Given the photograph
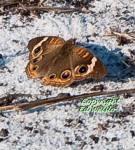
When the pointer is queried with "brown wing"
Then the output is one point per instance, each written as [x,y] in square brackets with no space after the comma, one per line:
[45,44]
[54,67]
[86,65]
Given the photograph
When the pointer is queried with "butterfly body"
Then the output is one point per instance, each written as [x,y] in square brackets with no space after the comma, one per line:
[58,63]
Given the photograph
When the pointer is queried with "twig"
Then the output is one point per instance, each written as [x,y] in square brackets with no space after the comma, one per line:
[51,101]
[23,6]
[46,9]
[124,34]
[8,2]
[123,37]
[6,100]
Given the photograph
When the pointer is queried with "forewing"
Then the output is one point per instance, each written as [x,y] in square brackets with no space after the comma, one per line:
[43,45]
[86,65]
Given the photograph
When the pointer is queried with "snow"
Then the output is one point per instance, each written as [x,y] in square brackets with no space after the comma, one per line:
[51,121]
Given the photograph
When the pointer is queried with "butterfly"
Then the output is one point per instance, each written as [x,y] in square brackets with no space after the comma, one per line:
[57,62]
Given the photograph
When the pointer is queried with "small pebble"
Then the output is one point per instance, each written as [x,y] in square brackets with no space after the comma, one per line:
[132,133]
[115,139]
[4,132]
[94,138]
[28,128]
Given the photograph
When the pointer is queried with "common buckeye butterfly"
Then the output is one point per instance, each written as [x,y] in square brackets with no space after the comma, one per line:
[58,62]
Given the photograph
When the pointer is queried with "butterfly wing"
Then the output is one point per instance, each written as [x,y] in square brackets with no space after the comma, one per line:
[85,64]
[60,73]
[53,68]
[45,44]
[38,48]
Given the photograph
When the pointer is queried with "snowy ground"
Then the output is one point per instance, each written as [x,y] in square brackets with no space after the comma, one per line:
[62,126]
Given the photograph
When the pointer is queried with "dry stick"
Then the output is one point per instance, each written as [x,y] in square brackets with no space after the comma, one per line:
[47,9]
[123,34]
[50,101]
[7,100]
[62,10]
[8,2]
